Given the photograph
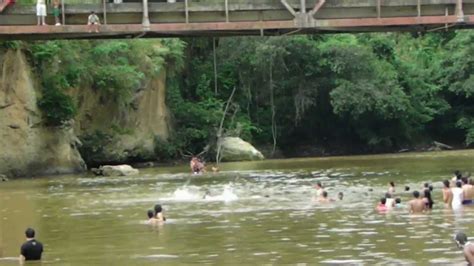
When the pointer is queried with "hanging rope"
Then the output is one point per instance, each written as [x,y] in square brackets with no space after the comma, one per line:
[215,65]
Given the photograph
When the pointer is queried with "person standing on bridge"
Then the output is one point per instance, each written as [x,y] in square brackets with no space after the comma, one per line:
[41,12]
[93,22]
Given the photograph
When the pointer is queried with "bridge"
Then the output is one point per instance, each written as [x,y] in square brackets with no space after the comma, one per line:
[147,18]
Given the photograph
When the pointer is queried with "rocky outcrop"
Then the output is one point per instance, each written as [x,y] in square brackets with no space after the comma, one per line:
[236,149]
[116,170]
[29,148]
[131,129]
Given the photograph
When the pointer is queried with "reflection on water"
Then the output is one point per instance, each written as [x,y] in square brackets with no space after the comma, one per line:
[241,215]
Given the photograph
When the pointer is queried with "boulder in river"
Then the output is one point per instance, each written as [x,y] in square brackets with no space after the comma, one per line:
[236,149]
[116,170]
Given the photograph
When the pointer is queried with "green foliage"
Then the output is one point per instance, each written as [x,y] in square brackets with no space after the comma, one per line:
[57,107]
[93,147]
[165,149]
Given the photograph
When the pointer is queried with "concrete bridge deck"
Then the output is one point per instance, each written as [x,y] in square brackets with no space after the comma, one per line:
[236,17]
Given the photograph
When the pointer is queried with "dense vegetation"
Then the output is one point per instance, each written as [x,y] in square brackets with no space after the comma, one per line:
[324,93]
[339,93]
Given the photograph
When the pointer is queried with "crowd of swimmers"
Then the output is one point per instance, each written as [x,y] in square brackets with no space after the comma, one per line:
[456,192]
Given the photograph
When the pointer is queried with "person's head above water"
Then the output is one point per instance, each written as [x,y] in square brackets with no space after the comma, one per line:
[150,214]
[457,174]
[460,239]
[325,194]
[407,188]
[426,185]
[459,184]
[158,208]
[30,233]
[446,183]
[392,184]
[319,185]
[416,194]
[431,188]
[340,195]
[398,201]
[388,195]
[383,201]
[465,180]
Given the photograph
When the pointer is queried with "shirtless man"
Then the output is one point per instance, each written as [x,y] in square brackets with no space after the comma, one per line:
[467,191]
[151,218]
[324,198]
[466,246]
[159,213]
[447,193]
[417,205]
[196,166]
[319,189]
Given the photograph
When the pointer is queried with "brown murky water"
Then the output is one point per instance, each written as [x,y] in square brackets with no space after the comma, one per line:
[256,213]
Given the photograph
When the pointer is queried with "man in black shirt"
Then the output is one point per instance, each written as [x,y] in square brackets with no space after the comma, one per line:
[31,249]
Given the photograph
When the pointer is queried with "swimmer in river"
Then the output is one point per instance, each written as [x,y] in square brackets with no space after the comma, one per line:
[389,201]
[456,177]
[391,188]
[340,196]
[151,218]
[32,249]
[407,188]
[416,205]
[468,191]
[458,195]
[428,200]
[381,207]
[447,193]
[196,165]
[324,198]
[398,203]
[159,213]
[467,247]
[319,189]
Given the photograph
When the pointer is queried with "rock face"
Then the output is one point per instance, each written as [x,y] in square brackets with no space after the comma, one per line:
[132,129]
[236,149]
[28,148]
[117,170]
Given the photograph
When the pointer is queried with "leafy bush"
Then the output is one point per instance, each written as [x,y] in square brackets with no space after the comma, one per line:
[56,106]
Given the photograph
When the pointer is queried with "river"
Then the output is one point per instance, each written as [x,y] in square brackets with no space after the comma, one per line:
[256,213]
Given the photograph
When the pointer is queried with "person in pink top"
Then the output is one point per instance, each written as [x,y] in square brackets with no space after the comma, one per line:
[381,206]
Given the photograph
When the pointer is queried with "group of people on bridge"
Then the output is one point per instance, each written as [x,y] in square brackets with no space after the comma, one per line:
[93,21]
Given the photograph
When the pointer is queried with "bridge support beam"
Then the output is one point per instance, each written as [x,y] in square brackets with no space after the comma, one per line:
[288,7]
[146,19]
[459,11]
[317,7]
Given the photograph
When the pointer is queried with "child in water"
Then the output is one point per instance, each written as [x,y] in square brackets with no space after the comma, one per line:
[151,218]
[381,206]
[159,213]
